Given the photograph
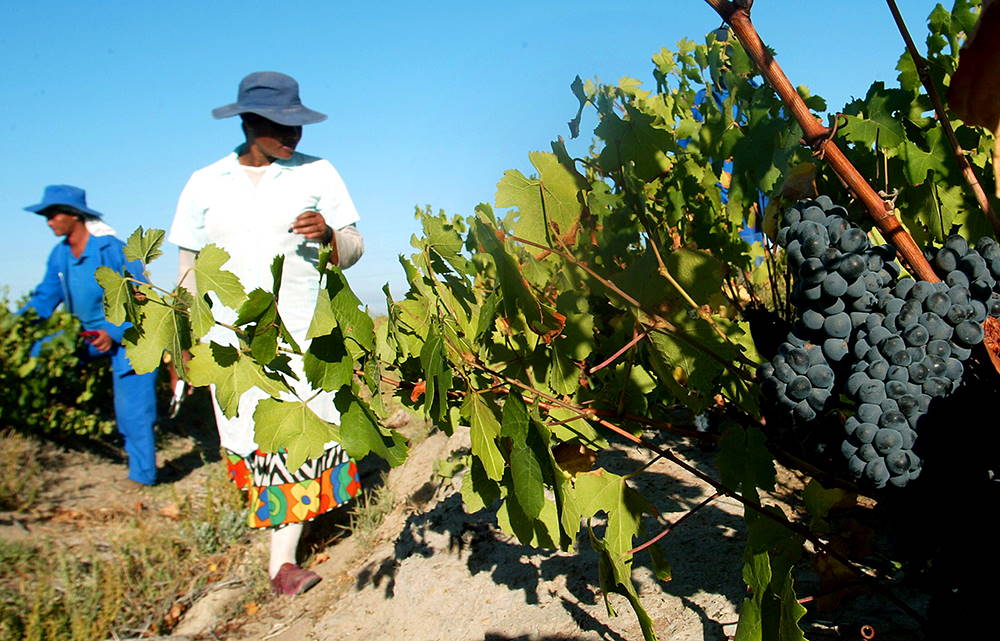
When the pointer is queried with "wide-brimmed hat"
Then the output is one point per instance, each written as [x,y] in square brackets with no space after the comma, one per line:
[64,196]
[274,96]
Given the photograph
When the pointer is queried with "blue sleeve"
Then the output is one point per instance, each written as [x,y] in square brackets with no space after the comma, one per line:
[49,293]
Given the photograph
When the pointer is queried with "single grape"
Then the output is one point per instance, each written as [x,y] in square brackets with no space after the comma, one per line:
[820,376]
[834,285]
[838,325]
[868,413]
[946,260]
[916,335]
[886,440]
[957,244]
[799,388]
[897,462]
[865,432]
[813,320]
[877,473]
[872,391]
[968,333]
[878,370]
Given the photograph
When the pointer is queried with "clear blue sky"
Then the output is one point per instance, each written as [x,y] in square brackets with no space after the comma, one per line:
[429,103]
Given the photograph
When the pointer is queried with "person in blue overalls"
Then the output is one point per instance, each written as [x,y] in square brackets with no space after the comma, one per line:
[87,244]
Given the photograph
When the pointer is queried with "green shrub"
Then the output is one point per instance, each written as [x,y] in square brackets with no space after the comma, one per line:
[54,392]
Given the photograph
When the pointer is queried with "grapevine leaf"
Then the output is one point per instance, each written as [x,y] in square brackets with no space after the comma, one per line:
[327,364]
[162,328]
[819,501]
[547,204]
[563,375]
[360,433]
[478,490]
[277,269]
[323,321]
[257,304]
[355,324]
[525,470]
[292,426]
[484,430]
[917,162]
[791,611]
[209,276]
[517,295]
[437,377]
[744,460]
[144,246]
[614,576]
[640,143]
[231,373]
[757,576]
[119,303]
[202,320]
[542,531]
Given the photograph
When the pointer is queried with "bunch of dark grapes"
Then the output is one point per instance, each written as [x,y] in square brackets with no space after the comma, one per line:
[890,345]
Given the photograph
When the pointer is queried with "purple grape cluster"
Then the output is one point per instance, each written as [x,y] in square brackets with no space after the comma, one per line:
[890,345]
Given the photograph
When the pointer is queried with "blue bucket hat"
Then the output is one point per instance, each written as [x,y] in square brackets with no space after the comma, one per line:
[272,95]
[64,196]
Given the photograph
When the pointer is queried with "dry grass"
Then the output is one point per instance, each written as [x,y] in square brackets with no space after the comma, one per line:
[17,452]
[133,574]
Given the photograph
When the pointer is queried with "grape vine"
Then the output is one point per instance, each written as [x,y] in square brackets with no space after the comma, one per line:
[606,291]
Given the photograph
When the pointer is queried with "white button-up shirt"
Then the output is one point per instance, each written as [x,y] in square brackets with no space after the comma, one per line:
[221,205]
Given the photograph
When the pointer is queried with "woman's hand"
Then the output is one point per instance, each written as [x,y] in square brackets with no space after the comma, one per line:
[312,225]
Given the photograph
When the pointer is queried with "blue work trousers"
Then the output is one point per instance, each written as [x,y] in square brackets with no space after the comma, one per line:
[135,414]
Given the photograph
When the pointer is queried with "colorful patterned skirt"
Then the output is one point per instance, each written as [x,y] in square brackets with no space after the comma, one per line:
[279,497]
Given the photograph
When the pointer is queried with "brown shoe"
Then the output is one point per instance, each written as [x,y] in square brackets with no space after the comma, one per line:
[291,579]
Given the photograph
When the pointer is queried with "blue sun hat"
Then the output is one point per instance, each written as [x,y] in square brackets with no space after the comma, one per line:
[274,96]
[64,196]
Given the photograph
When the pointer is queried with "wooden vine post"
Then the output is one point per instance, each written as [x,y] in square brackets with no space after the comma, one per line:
[819,138]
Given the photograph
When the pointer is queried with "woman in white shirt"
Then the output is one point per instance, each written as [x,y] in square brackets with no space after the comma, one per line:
[263,200]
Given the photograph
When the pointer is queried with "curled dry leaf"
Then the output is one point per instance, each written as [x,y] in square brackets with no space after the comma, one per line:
[171,510]
[574,457]
[418,391]
[974,94]
[322,557]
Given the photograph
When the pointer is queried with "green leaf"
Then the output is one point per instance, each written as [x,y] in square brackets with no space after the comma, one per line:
[323,321]
[201,317]
[360,433]
[437,377]
[277,269]
[549,205]
[119,304]
[257,304]
[161,328]
[209,276]
[144,246]
[525,470]
[819,501]
[542,531]
[478,490]
[231,373]
[744,461]
[356,326]
[327,364]
[292,426]
[484,430]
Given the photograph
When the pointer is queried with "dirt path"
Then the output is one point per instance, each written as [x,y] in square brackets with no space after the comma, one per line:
[434,573]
